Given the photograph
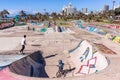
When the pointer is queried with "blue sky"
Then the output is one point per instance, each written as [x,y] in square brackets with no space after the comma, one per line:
[52,5]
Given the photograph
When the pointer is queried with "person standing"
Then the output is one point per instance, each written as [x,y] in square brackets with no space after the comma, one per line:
[28,28]
[33,29]
[23,43]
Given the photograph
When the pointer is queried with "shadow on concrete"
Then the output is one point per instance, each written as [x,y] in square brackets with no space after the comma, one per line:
[36,45]
[50,56]
[65,71]
[33,65]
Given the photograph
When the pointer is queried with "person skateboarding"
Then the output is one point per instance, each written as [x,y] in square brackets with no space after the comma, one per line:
[23,43]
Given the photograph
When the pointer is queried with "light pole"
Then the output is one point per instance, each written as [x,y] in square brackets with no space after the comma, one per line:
[113,4]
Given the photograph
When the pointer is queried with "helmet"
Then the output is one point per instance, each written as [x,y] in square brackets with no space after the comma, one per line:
[60,62]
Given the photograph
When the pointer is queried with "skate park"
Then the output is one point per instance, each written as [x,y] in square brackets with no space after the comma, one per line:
[78,48]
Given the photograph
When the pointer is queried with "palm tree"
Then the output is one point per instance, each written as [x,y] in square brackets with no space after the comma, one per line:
[117,11]
[1,13]
[22,13]
[91,16]
[59,16]
[38,15]
[4,13]
[47,15]
[29,17]
[80,14]
[54,15]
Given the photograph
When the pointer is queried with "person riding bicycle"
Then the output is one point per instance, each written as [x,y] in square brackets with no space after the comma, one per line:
[61,65]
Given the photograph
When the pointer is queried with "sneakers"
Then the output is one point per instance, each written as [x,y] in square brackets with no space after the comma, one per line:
[21,53]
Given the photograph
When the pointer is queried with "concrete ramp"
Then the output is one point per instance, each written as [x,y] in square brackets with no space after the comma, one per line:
[69,31]
[8,59]
[85,61]
[32,65]
[50,30]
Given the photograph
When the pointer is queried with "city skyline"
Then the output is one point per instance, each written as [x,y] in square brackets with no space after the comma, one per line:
[34,6]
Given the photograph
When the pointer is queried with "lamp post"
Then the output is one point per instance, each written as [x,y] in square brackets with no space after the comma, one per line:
[113,4]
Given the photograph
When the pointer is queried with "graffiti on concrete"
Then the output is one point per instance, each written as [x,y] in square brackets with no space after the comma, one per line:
[84,56]
[85,69]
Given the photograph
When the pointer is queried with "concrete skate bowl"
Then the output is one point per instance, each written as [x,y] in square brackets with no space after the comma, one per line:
[86,61]
[32,67]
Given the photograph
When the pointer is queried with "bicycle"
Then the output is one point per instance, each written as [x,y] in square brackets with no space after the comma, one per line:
[63,72]
[60,74]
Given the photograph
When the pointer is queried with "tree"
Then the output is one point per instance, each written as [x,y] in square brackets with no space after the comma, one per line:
[54,15]
[38,15]
[47,15]
[30,16]
[90,16]
[4,13]
[59,16]
[80,15]
[22,13]
[117,11]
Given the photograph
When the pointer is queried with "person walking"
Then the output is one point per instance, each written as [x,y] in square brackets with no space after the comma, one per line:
[28,28]
[23,43]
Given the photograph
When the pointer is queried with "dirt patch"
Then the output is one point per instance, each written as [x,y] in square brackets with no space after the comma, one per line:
[105,49]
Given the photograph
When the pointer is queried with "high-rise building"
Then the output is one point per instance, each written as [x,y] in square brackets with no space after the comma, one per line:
[84,10]
[69,9]
[113,4]
[106,8]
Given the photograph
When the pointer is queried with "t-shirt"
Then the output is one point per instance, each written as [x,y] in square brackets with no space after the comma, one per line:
[23,41]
